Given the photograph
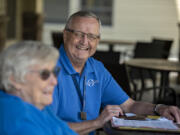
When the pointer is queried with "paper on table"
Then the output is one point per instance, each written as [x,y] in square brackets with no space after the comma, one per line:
[160,124]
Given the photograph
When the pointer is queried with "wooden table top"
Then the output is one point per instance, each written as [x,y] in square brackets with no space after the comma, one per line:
[155,64]
[119,42]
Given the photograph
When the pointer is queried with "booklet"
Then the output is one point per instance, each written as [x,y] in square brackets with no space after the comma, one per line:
[131,121]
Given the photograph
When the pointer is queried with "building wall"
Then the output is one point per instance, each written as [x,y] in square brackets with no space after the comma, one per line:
[144,19]
[135,20]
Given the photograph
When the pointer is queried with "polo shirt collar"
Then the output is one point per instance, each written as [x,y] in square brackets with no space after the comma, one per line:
[65,62]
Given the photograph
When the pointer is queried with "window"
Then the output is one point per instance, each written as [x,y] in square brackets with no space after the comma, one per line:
[102,8]
[56,11]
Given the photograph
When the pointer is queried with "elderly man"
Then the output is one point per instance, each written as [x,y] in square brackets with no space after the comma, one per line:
[85,85]
[27,77]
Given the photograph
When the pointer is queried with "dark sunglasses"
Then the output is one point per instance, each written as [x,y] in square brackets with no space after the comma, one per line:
[45,74]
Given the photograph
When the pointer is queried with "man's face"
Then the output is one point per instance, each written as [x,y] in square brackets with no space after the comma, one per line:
[81,38]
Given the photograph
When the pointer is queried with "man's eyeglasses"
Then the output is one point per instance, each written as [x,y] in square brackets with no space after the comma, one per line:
[45,73]
[79,34]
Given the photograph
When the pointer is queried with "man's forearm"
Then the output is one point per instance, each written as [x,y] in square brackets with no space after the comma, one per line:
[85,127]
[143,108]
[138,107]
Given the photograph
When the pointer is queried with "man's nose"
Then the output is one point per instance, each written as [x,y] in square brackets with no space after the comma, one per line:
[85,39]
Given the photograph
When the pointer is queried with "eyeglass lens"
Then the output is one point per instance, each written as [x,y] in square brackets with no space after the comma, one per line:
[45,74]
[80,34]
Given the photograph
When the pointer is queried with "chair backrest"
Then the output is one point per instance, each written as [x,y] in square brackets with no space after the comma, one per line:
[165,44]
[142,50]
[156,49]
[57,38]
[119,73]
[107,56]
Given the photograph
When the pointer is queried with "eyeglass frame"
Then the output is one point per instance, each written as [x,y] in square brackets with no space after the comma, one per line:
[45,73]
[80,34]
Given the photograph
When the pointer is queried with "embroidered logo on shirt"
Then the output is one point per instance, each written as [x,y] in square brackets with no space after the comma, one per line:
[91,82]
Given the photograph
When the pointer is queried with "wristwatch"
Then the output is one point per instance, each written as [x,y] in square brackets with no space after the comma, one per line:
[156,109]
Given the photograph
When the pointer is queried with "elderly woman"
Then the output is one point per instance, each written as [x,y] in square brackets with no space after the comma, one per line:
[27,80]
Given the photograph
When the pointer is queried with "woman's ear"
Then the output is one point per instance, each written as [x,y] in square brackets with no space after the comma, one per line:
[14,83]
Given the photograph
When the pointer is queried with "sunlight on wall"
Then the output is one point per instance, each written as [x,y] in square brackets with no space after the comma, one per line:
[178,9]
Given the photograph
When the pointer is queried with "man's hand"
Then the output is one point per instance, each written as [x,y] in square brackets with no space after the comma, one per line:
[107,114]
[170,112]
[91,125]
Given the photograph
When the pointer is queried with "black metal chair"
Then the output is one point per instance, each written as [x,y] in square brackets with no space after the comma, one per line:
[107,56]
[119,72]
[110,60]
[57,38]
[165,44]
[155,49]
[158,49]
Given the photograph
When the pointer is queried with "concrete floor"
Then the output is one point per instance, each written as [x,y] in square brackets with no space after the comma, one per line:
[148,95]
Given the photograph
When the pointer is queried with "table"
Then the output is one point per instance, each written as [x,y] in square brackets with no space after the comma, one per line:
[159,65]
[107,41]
[113,42]
[112,131]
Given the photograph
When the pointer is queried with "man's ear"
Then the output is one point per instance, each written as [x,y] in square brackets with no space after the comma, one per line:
[98,41]
[64,35]
[15,84]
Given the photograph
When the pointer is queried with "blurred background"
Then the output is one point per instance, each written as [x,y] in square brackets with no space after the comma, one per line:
[125,23]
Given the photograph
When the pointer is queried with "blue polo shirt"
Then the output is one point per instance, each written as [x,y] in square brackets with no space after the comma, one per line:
[100,89]
[21,118]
